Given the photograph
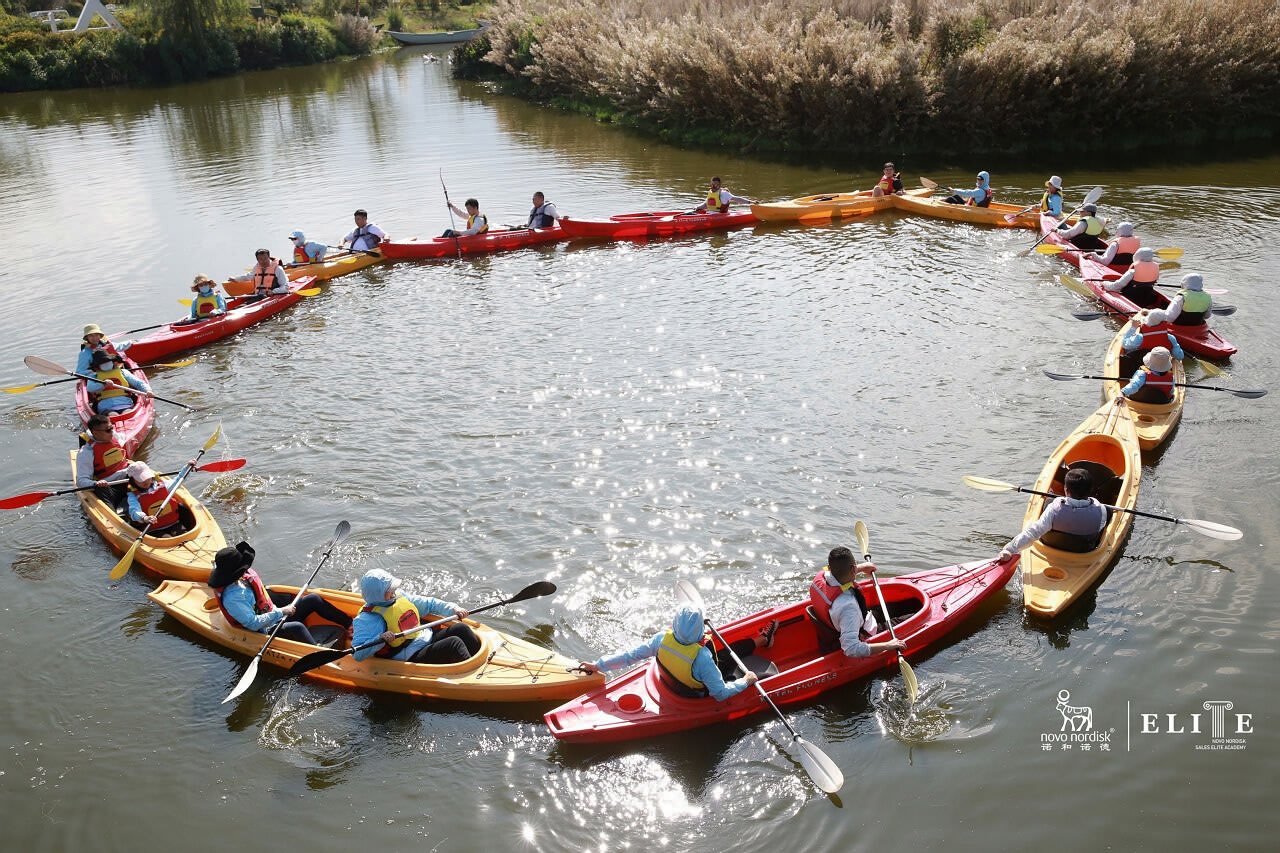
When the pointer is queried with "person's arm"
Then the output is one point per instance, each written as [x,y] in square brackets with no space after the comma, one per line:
[461,213]
[84,467]
[1119,284]
[1137,381]
[847,619]
[1034,530]
[738,199]
[239,603]
[1132,339]
[1109,255]
[1074,230]
[365,628]
[630,657]
[1175,349]
[222,303]
[973,193]
[134,382]
[282,278]
[705,670]
[83,359]
[135,508]
[550,210]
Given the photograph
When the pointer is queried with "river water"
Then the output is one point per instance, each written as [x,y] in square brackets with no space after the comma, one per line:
[613,418]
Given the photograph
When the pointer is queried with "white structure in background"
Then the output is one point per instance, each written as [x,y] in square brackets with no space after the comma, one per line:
[92,8]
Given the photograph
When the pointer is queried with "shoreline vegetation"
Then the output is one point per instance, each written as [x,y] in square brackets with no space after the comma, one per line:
[179,41]
[924,77]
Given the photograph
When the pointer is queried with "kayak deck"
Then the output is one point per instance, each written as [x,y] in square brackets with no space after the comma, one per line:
[641,226]
[993,214]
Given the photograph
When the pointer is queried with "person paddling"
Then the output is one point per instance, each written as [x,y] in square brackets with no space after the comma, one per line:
[147,492]
[364,237]
[304,251]
[1120,249]
[246,602]
[1086,233]
[92,341]
[268,275]
[206,303]
[718,199]
[839,605]
[477,222]
[1191,305]
[980,196]
[1139,281]
[686,664]
[1072,522]
[1051,201]
[101,462]
[109,383]
[1153,382]
[387,612]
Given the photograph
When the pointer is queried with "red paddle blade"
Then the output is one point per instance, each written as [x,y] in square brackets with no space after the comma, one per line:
[223,466]
[19,501]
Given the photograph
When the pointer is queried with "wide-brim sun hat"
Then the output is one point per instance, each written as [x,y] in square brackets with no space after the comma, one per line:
[1055,182]
[1193,281]
[91,329]
[1159,360]
[230,564]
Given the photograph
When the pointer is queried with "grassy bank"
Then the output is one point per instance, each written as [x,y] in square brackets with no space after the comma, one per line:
[918,76]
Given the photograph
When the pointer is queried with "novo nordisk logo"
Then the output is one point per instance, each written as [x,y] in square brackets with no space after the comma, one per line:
[1076,730]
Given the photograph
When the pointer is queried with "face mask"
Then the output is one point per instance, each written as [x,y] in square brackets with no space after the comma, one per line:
[205,290]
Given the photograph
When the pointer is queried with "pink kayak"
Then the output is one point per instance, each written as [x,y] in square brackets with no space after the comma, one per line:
[633,226]
[131,425]
[800,665]
[493,240]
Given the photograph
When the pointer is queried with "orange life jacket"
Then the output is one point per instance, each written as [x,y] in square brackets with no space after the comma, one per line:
[261,600]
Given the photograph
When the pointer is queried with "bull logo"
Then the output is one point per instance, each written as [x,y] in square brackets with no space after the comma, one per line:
[1076,719]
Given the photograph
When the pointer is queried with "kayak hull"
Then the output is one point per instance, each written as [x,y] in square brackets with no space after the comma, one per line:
[1154,422]
[506,669]
[643,226]
[178,336]
[133,424]
[187,556]
[1199,340]
[994,214]
[830,207]
[637,704]
[1054,579]
[331,267]
[476,244]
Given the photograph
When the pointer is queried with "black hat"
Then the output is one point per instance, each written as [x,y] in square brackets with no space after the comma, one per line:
[100,356]
[229,564]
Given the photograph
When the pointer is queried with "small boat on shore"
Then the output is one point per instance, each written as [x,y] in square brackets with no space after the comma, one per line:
[1154,422]
[242,312]
[1106,444]
[333,266]
[493,240]
[186,556]
[643,226]
[801,664]
[830,207]
[445,37]
[505,669]
[131,425]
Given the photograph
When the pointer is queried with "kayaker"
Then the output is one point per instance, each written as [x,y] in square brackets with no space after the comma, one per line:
[1051,201]
[477,222]
[1086,233]
[268,275]
[1191,305]
[718,199]
[1153,382]
[1139,281]
[685,661]
[1139,337]
[890,182]
[1120,248]
[92,341]
[980,196]
[386,613]
[247,603]
[101,462]
[207,303]
[1069,523]
[544,213]
[305,252]
[364,236]
[840,605]
[110,380]
[147,491]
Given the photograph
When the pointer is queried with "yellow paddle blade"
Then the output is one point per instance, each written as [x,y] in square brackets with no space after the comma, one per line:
[1051,249]
[1169,254]
[186,302]
[122,567]
[189,361]
[909,678]
[864,538]
[22,388]
[1075,284]
[986,484]
[213,439]
[309,291]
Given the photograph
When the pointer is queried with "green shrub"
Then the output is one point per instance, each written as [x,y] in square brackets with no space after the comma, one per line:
[395,18]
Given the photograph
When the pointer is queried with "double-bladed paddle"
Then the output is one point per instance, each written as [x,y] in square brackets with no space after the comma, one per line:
[1245,393]
[122,567]
[324,656]
[1055,249]
[23,388]
[821,769]
[908,675]
[31,498]
[1093,195]
[453,226]
[306,291]
[339,534]
[47,368]
[1207,528]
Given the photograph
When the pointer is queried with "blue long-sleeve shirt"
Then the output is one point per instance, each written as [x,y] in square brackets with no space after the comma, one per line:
[704,667]
[1133,339]
[238,599]
[84,361]
[368,625]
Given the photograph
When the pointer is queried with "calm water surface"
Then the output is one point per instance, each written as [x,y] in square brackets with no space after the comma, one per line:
[613,418]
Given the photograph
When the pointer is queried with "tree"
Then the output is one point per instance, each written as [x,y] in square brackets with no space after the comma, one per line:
[190,20]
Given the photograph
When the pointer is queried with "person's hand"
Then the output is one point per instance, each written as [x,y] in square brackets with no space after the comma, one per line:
[588,667]
[386,636]
[752,678]
[461,613]
[896,645]
[191,463]
[149,519]
[101,484]
[1120,400]
[869,568]
[1005,556]
[288,610]
[1171,341]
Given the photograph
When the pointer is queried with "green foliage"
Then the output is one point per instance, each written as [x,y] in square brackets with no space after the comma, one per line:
[395,18]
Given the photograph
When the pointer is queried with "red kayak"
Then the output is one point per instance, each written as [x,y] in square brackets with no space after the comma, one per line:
[1198,340]
[131,425]
[477,244]
[241,313]
[639,226]
[796,668]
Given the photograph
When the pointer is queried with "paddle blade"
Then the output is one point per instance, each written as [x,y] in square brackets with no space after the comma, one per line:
[44,366]
[687,593]
[925,182]
[1169,254]
[223,466]
[821,769]
[1212,529]
[533,590]
[986,484]
[122,568]
[187,303]
[1051,249]
[22,388]
[1075,285]
[1062,377]
[1249,393]
[19,501]
[861,533]
[213,439]
[308,291]
[316,660]
[185,363]
[1088,315]
[1223,310]
[343,530]
[909,679]
[245,680]
[1092,197]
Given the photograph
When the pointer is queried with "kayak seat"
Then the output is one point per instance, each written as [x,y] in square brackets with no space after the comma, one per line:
[1070,542]
[676,686]
[828,637]
[327,635]
[761,666]
[1106,485]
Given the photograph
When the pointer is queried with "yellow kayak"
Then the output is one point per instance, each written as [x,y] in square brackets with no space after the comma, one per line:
[1154,421]
[1052,579]
[331,267]
[506,669]
[187,556]
[994,214]
[829,207]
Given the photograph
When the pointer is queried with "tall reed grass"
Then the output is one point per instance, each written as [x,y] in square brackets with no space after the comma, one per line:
[907,75]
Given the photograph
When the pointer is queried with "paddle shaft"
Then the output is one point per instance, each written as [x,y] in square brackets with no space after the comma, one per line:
[1108,506]
[19,501]
[135,392]
[453,226]
[1066,377]
[794,734]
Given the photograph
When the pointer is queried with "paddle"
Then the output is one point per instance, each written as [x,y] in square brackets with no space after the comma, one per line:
[1220,310]
[925,182]
[324,656]
[908,676]
[30,498]
[1013,217]
[1093,195]
[1215,291]
[122,567]
[339,534]
[1207,528]
[821,769]
[306,291]
[341,250]
[453,226]
[48,368]
[1247,394]
[1055,249]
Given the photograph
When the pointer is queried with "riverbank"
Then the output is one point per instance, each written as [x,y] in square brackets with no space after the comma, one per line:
[923,77]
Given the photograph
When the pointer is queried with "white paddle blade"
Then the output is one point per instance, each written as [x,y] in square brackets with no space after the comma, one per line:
[1093,196]
[687,593]
[986,484]
[864,538]
[821,769]
[44,366]
[930,184]
[245,680]
[909,679]
[1212,529]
